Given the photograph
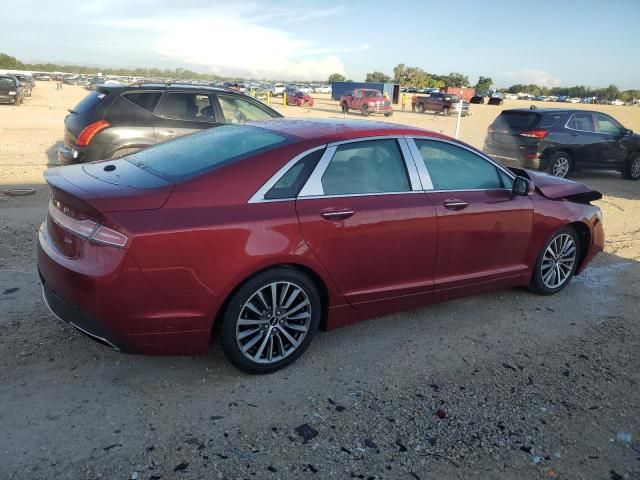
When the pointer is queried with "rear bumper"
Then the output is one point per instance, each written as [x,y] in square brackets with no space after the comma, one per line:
[516,156]
[71,155]
[108,298]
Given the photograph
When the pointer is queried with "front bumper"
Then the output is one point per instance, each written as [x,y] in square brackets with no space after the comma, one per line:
[8,98]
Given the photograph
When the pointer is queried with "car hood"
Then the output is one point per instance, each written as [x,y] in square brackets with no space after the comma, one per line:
[555,187]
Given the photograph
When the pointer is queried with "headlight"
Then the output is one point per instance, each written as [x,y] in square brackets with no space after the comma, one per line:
[13,93]
[599,214]
[371,104]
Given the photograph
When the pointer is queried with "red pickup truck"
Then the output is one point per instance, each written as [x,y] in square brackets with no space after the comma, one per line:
[366,100]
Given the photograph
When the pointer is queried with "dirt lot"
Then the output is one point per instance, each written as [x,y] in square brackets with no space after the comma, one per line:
[529,386]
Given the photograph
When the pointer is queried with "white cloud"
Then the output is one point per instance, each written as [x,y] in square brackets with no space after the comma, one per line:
[527,76]
[237,42]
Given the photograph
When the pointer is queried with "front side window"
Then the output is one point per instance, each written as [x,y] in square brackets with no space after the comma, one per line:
[373,166]
[187,106]
[455,168]
[238,110]
[607,125]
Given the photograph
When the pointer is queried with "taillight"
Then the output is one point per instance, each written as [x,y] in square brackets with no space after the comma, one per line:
[534,133]
[90,131]
[85,228]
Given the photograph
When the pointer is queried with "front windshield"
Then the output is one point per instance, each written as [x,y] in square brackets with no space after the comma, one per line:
[372,93]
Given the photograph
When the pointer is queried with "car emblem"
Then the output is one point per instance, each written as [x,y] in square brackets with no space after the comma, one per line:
[68,240]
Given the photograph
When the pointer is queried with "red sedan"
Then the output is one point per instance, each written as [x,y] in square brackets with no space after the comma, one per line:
[299,98]
[273,230]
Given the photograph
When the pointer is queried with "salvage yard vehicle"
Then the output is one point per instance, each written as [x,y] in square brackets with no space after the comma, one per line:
[561,141]
[301,99]
[27,83]
[440,102]
[116,120]
[367,101]
[269,231]
[11,90]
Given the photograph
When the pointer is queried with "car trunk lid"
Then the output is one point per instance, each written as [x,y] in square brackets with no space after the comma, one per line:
[506,129]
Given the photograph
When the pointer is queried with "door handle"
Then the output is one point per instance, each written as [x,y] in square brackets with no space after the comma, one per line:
[455,204]
[336,215]
[167,133]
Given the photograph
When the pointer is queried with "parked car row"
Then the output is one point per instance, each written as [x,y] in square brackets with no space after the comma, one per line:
[15,88]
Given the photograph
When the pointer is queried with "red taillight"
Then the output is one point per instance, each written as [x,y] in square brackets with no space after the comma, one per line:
[90,131]
[534,133]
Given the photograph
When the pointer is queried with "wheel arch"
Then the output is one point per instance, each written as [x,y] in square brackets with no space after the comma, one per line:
[584,234]
[314,276]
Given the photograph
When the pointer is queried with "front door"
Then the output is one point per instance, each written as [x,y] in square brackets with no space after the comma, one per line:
[372,228]
[483,228]
[614,150]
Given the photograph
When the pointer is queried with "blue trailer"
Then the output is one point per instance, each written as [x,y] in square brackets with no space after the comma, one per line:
[391,90]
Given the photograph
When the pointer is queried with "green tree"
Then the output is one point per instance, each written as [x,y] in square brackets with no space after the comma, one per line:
[10,63]
[484,83]
[336,77]
[456,80]
[377,77]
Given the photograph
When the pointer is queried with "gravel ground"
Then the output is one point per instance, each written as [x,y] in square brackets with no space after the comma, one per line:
[505,385]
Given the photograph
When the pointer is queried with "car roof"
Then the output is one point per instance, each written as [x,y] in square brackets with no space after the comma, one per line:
[333,130]
[163,86]
[546,110]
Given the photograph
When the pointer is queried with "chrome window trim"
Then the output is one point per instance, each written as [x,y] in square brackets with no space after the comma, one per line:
[258,197]
[372,194]
[483,156]
[313,188]
[566,125]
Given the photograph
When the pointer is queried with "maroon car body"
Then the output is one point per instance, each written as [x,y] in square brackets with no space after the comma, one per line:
[299,98]
[168,254]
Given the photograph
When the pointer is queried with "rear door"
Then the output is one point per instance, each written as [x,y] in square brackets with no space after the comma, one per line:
[483,228]
[364,215]
[181,113]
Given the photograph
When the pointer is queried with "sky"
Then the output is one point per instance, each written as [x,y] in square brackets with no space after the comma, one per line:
[551,43]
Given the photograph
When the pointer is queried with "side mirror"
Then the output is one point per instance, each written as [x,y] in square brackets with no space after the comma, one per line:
[626,131]
[523,186]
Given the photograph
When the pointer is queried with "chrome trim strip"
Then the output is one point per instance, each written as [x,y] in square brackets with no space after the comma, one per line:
[371,194]
[258,197]
[313,187]
[425,178]
[566,125]
[410,165]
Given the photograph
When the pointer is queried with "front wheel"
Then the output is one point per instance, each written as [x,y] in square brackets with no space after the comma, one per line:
[270,321]
[365,111]
[421,108]
[557,262]
[446,111]
[388,114]
[632,168]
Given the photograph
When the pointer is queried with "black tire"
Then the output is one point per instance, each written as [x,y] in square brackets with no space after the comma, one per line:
[18,101]
[421,108]
[236,304]
[538,283]
[388,114]
[560,164]
[631,170]
[446,111]
[364,111]
[345,108]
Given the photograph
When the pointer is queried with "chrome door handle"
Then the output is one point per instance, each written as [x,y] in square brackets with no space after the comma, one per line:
[334,215]
[455,204]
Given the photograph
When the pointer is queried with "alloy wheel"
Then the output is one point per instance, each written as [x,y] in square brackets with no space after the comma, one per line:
[558,261]
[273,322]
[561,167]
[635,168]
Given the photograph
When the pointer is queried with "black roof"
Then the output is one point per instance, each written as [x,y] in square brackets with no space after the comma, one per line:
[164,86]
[546,110]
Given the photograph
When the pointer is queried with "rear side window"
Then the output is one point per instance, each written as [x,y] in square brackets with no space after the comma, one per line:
[516,120]
[290,184]
[191,155]
[90,102]
[373,166]
[146,100]
[582,122]
[456,168]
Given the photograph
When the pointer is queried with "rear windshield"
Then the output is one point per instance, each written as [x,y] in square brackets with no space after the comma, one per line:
[191,155]
[90,102]
[516,120]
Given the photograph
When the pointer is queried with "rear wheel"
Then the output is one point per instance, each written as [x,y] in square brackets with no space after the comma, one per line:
[446,111]
[557,262]
[365,111]
[632,168]
[421,107]
[560,164]
[345,108]
[388,114]
[271,320]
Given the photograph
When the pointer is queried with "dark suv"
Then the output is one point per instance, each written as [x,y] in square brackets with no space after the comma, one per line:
[562,140]
[11,90]
[115,120]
